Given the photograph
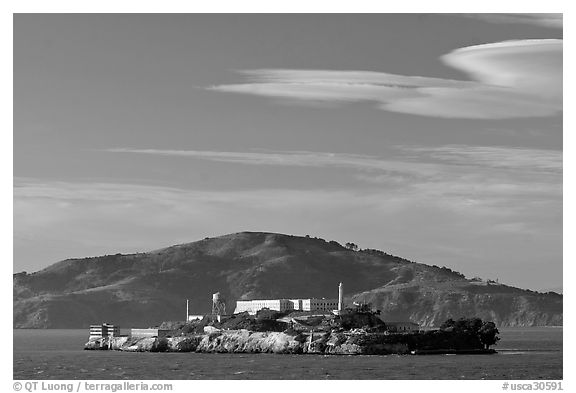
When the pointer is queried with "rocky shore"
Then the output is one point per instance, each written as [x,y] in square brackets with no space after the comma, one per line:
[245,341]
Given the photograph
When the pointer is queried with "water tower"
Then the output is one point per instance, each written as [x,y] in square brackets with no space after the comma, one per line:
[218,304]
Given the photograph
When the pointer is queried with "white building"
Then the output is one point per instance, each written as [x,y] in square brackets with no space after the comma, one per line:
[296,304]
[252,306]
[104,330]
[319,304]
[312,304]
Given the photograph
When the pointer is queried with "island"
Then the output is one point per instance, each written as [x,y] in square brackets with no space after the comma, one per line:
[356,332]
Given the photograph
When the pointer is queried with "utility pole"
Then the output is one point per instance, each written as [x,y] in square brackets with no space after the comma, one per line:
[186,320]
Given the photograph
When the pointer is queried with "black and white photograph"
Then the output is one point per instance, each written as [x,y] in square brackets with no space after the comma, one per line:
[287,196]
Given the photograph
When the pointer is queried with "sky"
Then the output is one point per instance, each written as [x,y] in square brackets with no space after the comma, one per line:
[435,137]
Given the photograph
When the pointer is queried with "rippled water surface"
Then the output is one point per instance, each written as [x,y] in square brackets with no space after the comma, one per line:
[524,353]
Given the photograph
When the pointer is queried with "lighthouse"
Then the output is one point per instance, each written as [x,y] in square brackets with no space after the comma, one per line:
[340,298]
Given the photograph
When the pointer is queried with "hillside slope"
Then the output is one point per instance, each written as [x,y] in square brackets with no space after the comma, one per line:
[145,289]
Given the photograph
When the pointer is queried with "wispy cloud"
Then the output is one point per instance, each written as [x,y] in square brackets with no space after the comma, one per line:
[449,205]
[418,160]
[516,159]
[453,176]
[489,175]
[295,158]
[69,218]
[178,198]
[508,79]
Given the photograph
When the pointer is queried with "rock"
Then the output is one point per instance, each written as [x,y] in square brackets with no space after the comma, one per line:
[117,342]
[211,329]
[139,344]
[336,339]
[318,345]
[96,343]
[345,349]
[183,344]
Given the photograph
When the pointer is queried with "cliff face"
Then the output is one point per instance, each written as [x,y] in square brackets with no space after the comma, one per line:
[147,288]
[244,341]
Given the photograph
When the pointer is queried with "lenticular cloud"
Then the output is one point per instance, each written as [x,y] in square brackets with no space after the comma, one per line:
[507,79]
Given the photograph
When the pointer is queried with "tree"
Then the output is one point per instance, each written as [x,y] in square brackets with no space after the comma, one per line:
[448,324]
[488,334]
[352,246]
[470,325]
[473,324]
[485,332]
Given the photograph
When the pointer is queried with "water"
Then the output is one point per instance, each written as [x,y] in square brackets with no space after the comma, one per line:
[524,353]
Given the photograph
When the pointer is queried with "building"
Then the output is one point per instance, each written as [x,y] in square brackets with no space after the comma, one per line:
[195,317]
[405,326]
[253,306]
[319,304]
[296,304]
[104,330]
[311,304]
[149,332]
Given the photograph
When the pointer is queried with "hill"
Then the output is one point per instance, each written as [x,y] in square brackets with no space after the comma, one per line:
[145,289]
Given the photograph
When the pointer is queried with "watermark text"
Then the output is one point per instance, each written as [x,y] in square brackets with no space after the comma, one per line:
[536,385]
[90,386]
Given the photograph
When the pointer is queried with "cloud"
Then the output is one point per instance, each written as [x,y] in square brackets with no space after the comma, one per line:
[66,194]
[491,176]
[480,179]
[527,66]
[65,219]
[415,160]
[295,159]
[515,159]
[545,20]
[508,79]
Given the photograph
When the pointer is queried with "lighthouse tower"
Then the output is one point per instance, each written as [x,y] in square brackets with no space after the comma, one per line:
[340,298]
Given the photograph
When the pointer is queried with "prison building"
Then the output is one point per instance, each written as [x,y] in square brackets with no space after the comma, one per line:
[312,304]
[104,330]
[253,306]
[319,304]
